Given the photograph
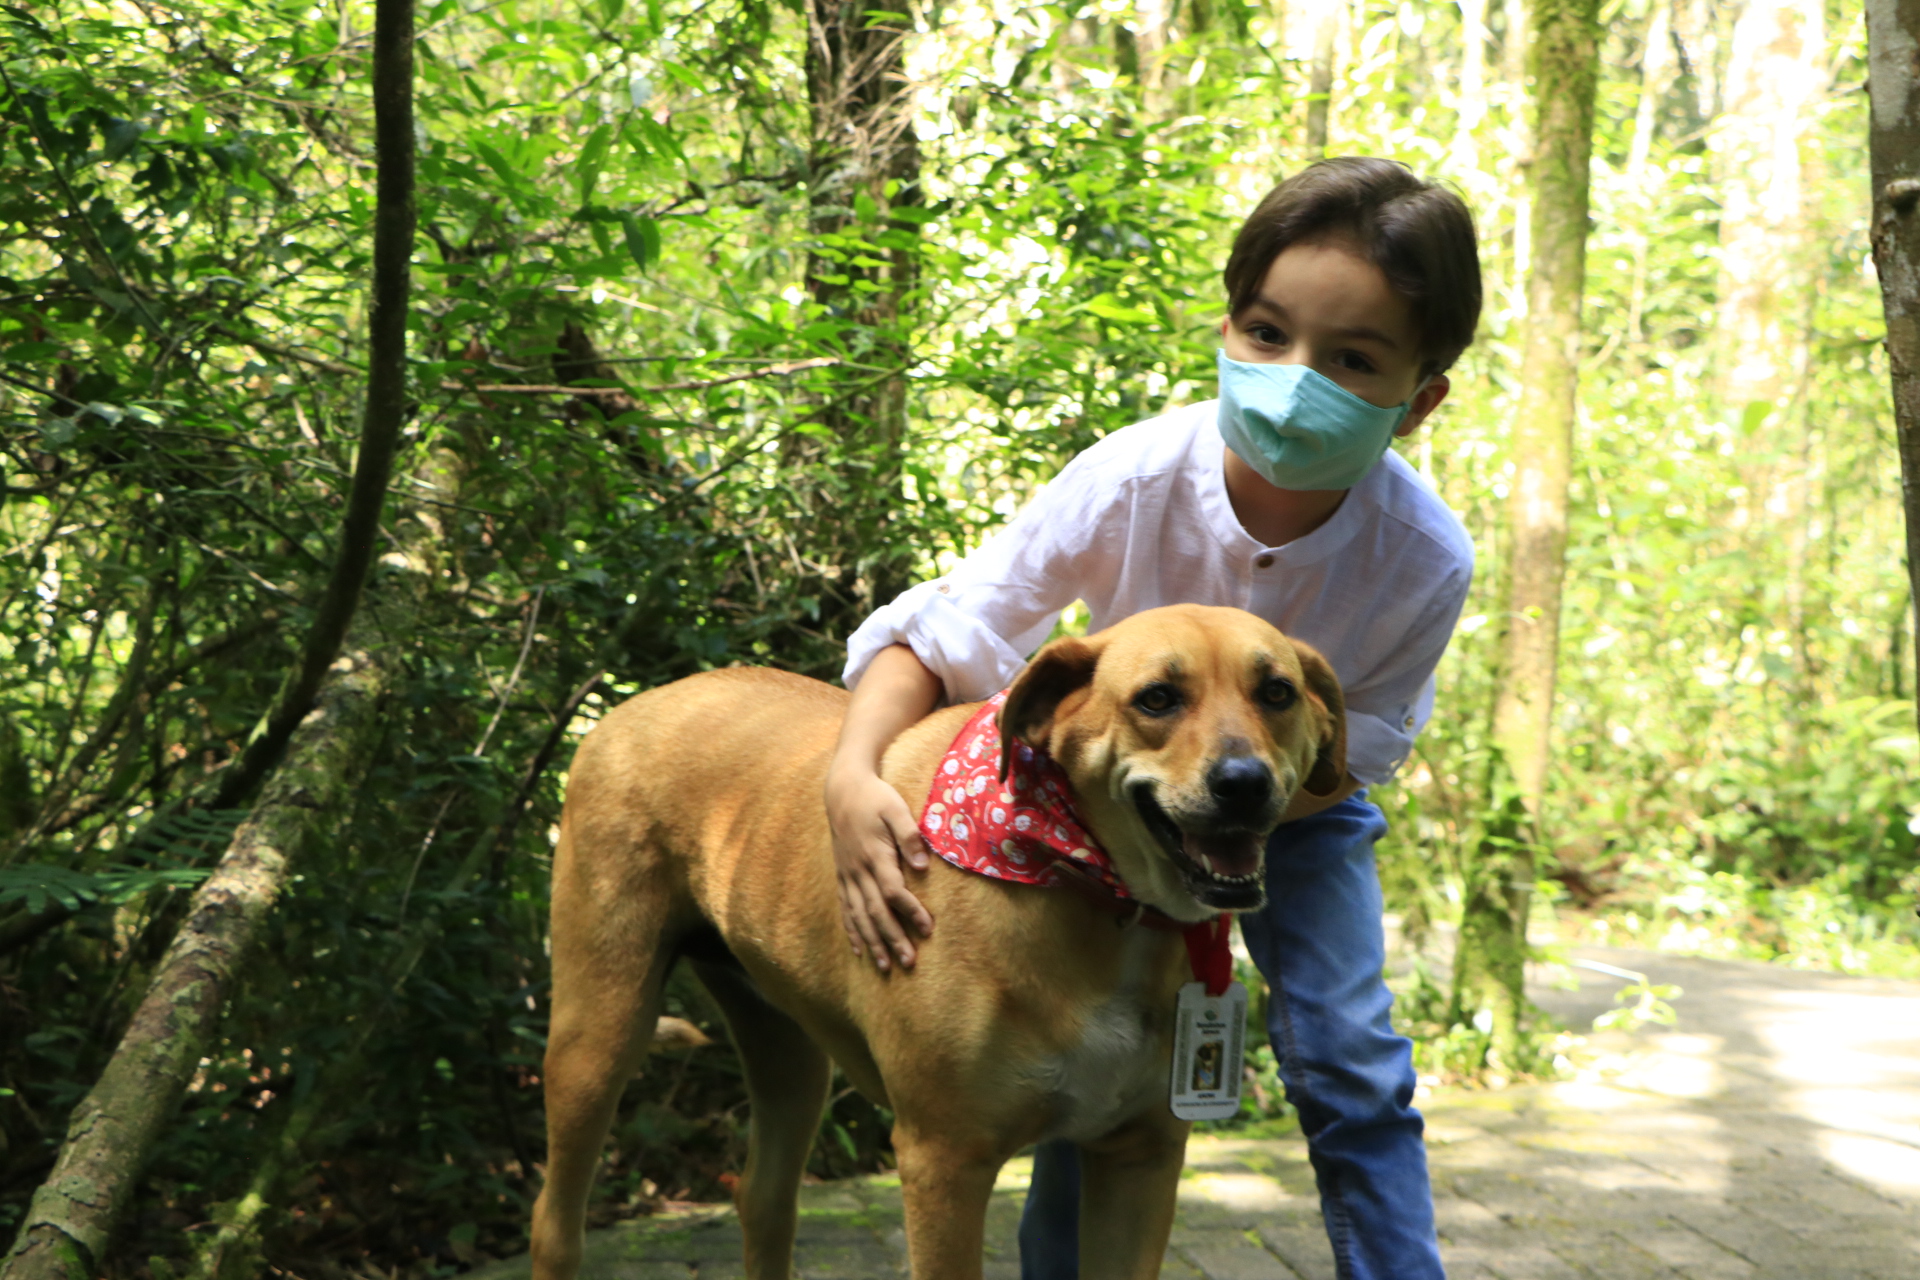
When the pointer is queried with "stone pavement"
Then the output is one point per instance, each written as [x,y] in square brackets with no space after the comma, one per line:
[1773,1133]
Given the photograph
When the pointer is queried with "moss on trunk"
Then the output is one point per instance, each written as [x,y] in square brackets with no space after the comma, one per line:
[1893,59]
[1563,61]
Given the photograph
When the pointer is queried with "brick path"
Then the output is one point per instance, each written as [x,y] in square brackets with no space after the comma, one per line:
[1773,1133]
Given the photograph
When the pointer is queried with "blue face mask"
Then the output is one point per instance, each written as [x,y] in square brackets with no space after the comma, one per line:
[1299,429]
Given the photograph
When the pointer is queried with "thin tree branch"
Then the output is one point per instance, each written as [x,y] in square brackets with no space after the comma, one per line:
[772,371]
[386,409]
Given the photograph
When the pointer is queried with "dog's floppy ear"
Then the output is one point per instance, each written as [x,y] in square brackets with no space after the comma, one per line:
[1056,671]
[1323,692]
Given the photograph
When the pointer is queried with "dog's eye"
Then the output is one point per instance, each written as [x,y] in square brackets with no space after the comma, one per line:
[1278,693]
[1157,699]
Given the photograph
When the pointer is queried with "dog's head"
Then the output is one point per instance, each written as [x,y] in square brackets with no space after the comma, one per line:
[1186,731]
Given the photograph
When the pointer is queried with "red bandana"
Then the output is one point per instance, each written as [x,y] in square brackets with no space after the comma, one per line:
[1026,830]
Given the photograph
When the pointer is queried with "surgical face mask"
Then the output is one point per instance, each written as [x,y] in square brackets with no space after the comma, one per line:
[1299,429]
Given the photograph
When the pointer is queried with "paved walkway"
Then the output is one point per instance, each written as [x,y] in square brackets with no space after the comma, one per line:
[1773,1133]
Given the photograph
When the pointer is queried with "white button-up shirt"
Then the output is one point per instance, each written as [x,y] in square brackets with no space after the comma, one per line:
[1142,519]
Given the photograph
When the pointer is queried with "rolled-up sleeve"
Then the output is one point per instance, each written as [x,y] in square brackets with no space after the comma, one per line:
[975,626]
[1387,710]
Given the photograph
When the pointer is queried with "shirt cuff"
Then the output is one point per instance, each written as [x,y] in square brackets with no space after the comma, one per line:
[1377,745]
[971,659]
[1376,748]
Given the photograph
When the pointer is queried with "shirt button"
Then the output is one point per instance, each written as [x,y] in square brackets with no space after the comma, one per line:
[945,590]
[1263,562]
[1409,722]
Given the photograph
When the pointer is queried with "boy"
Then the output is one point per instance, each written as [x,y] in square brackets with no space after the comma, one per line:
[1351,289]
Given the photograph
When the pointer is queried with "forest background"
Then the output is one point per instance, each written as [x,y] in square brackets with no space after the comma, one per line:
[730,319]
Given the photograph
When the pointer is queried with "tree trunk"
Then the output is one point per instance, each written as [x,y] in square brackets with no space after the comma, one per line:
[1472,107]
[1564,60]
[1774,77]
[1893,44]
[1513,49]
[73,1213]
[1695,28]
[1324,16]
[1150,51]
[67,1227]
[1656,71]
[864,165]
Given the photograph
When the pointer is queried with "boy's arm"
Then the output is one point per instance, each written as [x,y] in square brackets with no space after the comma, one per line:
[872,826]
[960,637]
[1305,804]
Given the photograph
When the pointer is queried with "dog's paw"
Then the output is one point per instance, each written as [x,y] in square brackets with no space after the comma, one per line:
[672,1033]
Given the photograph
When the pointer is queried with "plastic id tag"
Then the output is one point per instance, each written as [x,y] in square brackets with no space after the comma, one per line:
[1207,1047]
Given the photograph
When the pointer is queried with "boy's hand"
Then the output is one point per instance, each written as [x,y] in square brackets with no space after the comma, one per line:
[872,830]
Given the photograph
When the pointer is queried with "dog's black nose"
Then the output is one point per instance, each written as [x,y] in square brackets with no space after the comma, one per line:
[1240,782]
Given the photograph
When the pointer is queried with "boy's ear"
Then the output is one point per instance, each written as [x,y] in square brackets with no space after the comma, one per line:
[1330,706]
[1425,401]
[1056,672]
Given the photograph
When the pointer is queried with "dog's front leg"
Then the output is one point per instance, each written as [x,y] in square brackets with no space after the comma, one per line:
[945,1185]
[1129,1180]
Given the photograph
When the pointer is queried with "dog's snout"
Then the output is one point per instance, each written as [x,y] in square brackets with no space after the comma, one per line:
[1240,783]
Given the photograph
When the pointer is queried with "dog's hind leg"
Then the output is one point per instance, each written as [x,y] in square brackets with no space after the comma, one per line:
[611,956]
[787,1080]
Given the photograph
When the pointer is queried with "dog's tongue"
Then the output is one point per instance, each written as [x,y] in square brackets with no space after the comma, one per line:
[1237,854]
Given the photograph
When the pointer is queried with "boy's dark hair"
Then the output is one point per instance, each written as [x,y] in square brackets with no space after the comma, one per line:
[1418,233]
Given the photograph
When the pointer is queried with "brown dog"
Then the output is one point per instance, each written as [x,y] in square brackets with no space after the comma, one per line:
[693,827]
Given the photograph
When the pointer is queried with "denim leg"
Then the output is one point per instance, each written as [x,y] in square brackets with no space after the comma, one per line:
[1318,940]
[1050,1223]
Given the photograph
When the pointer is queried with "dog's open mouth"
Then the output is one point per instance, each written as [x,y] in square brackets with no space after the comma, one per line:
[1221,868]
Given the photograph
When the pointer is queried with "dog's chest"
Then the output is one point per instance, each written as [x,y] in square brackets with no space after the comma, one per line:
[1117,1065]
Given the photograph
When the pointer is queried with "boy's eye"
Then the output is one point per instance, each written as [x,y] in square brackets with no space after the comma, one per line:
[1355,361]
[1266,333]
[1157,699]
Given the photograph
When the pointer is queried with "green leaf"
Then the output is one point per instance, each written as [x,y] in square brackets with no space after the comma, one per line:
[686,77]
[120,135]
[497,162]
[1108,307]
[643,239]
[593,158]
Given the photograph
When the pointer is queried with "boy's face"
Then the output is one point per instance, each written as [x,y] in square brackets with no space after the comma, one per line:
[1325,306]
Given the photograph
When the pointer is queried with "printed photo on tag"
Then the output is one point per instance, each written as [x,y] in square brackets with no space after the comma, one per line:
[1208,1052]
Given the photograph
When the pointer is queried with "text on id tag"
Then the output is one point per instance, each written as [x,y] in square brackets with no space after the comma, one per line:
[1207,1052]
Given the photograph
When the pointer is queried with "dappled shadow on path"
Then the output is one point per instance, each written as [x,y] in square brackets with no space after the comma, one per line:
[1773,1134]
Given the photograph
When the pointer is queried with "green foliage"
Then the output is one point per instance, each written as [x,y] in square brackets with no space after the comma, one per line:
[1651,1002]
[36,887]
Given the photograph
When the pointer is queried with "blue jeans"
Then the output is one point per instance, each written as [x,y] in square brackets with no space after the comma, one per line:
[1318,942]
